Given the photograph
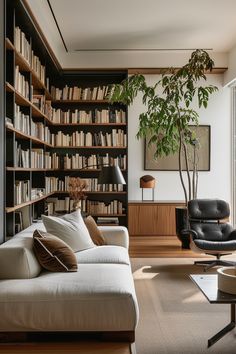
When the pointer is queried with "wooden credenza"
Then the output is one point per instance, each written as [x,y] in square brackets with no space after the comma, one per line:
[152,218]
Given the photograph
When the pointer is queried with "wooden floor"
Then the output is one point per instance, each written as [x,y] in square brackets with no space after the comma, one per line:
[160,247]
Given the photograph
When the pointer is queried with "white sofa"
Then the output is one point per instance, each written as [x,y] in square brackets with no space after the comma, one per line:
[99,297]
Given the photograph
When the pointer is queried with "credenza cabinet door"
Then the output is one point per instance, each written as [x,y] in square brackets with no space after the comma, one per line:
[152,219]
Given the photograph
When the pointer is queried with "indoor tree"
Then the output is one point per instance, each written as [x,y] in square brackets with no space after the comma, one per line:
[169,111]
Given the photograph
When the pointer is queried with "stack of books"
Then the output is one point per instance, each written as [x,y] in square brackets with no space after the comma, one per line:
[107,220]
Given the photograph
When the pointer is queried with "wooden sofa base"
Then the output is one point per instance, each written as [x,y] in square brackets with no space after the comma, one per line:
[28,337]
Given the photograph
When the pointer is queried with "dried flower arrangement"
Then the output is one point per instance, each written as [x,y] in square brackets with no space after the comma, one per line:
[77,187]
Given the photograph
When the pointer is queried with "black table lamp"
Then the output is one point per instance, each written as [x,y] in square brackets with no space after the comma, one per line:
[111,175]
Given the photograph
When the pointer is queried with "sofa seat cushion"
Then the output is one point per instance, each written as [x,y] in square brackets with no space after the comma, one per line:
[17,259]
[99,297]
[104,254]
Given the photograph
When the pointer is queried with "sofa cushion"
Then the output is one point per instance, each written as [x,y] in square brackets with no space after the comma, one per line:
[104,254]
[54,254]
[71,229]
[95,233]
[17,259]
[98,297]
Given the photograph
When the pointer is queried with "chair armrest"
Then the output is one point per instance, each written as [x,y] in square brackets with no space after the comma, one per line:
[115,235]
[191,232]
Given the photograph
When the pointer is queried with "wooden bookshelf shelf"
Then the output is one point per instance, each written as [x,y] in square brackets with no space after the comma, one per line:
[91,192]
[89,147]
[9,87]
[90,124]
[19,206]
[21,100]
[81,101]
[28,169]
[9,44]
[22,135]
[83,170]
[21,62]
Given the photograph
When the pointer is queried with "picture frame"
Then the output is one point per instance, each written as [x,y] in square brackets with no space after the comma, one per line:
[170,163]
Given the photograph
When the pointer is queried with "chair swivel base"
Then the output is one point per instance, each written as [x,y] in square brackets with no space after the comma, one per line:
[214,263]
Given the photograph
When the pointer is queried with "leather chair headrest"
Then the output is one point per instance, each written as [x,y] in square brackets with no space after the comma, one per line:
[208,209]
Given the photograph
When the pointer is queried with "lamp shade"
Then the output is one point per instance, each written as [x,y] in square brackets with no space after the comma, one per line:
[111,175]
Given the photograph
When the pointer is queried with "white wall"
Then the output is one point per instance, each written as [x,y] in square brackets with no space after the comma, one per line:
[230,74]
[216,182]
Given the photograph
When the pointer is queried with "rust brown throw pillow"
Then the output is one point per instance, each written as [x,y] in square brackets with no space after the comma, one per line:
[54,254]
[94,231]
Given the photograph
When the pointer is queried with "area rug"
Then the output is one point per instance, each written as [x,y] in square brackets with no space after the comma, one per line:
[175,318]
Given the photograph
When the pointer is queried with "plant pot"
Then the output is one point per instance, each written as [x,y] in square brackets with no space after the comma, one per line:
[181,222]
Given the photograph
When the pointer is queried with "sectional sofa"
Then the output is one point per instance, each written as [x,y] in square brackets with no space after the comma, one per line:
[99,298]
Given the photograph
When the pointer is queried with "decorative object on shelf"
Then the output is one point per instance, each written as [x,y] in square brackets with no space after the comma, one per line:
[108,175]
[77,187]
[148,181]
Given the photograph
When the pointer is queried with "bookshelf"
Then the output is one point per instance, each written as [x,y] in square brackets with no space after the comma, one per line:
[2,122]
[57,124]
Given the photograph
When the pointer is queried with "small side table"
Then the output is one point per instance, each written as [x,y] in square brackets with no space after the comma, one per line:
[209,287]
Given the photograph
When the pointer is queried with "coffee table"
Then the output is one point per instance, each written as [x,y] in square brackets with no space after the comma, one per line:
[208,284]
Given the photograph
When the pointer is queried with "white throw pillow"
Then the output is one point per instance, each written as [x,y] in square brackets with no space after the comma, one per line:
[71,229]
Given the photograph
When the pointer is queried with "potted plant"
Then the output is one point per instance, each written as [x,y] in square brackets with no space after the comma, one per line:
[169,111]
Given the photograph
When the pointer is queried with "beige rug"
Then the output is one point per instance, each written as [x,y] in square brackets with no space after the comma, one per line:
[175,318]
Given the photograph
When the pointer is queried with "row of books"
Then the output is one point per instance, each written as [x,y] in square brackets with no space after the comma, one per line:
[54,205]
[22,121]
[41,132]
[39,102]
[27,126]
[35,158]
[21,83]
[101,220]
[93,116]
[79,93]
[22,156]
[78,161]
[22,191]
[48,160]
[96,207]
[52,160]
[70,117]
[24,47]
[53,184]
[91,207]
[116,138]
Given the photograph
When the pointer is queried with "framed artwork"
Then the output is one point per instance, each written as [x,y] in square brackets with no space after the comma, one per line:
[170,163]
